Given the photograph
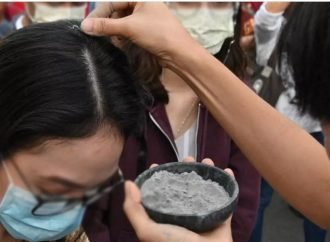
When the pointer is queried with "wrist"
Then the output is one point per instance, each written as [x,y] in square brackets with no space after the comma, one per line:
[184,55]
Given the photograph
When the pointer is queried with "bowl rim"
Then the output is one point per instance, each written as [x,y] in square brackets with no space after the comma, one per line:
[232,199]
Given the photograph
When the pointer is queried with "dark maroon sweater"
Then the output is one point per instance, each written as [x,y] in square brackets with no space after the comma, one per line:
[105,220]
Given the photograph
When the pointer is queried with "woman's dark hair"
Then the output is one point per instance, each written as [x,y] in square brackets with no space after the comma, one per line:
[57,82]
[148,70]
[231,52]
[305,42]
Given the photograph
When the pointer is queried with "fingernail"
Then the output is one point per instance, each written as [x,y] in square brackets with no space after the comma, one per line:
[87,26]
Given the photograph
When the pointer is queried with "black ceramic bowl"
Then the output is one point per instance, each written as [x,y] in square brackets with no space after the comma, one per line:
[197,223]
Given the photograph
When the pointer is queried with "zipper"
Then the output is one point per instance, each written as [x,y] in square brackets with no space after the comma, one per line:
[196,134]
[164,133]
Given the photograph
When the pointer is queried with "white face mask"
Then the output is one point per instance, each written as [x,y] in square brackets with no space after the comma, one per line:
[210,27]
[44,13]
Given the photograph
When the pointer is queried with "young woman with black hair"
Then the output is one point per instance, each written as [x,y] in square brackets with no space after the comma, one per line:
[68,102]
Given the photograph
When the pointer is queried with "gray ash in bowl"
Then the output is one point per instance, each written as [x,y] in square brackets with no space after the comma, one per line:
[182,194]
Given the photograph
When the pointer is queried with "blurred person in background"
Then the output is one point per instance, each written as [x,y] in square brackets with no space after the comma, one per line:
[269,21]
[5,26]
[13,9]
[247,31]
[42,12]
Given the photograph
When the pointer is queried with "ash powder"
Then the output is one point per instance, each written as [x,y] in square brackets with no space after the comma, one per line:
[186,193]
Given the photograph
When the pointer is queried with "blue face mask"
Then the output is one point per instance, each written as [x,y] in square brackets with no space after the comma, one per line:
[17,218]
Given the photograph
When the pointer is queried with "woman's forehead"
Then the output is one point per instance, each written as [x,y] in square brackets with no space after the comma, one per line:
[79,158]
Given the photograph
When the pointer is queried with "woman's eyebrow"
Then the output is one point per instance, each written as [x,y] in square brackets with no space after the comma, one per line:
[72,184]
[69,184]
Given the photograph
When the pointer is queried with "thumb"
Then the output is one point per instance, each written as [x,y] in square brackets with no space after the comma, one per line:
[104,26]
[134,210]
[230,172]
[226,232]
[228,221]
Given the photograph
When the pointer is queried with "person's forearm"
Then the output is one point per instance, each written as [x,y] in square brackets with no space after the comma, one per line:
[292,161]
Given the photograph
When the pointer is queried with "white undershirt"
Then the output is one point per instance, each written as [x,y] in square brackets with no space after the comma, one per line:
[186,143]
